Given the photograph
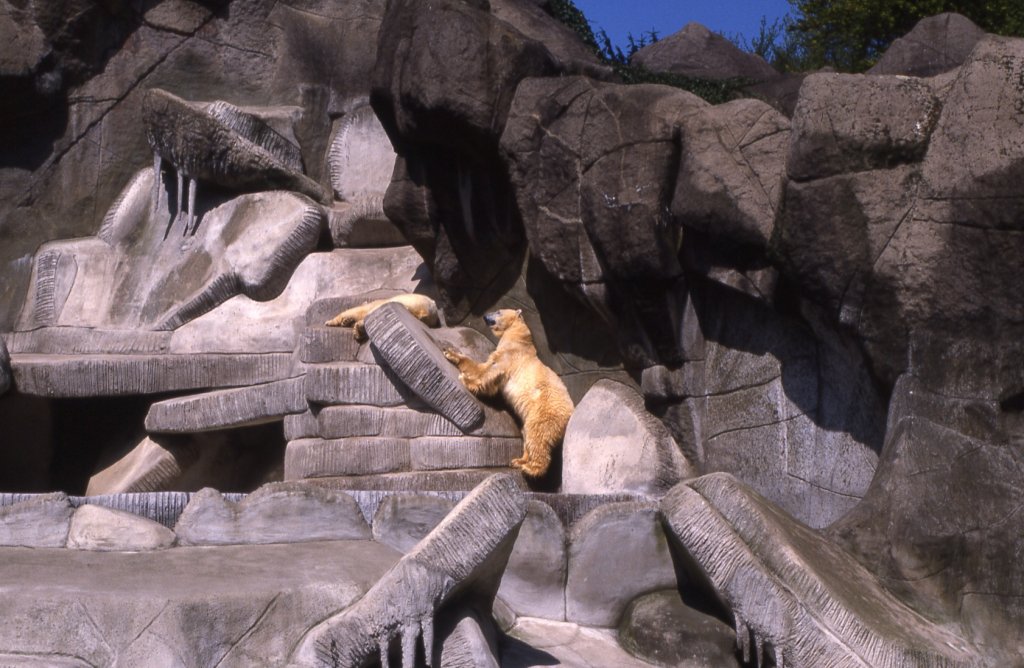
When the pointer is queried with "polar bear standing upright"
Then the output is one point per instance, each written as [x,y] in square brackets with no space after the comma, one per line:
[535,392]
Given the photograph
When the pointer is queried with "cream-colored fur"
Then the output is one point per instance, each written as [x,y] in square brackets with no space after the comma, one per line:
[535,392]
[421,306]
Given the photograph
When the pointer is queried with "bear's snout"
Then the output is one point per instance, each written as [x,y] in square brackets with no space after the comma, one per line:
[491,319]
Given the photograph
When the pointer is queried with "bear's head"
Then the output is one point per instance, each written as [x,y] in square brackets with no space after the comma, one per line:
[499,321]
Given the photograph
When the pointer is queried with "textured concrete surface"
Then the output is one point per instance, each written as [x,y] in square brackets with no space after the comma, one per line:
[187,606]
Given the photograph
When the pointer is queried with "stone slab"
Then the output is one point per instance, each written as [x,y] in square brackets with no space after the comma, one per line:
[352,383]
[301,425]
[319,344]
[412,354]
[316,458]
[446,452]
[123,375]
[453,480]
[274,513]
[405,422]
[148,467]
[224,409]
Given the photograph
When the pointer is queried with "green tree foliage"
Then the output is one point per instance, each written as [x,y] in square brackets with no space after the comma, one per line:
[850,35]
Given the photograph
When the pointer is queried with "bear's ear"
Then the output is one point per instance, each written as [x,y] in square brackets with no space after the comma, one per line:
[519,312]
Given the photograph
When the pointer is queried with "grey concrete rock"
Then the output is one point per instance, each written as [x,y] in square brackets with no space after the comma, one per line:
[83,340]
[41,521]
[354,383]
[244,325]
[148,467]
[460,452]
[223,409]
[471,643]
[467,550]
[542,642]
[106,530]
[853,122]
[301,425]
[187,606]
[417,481]
[56,184]
[613,445]
[410,352]
[405,422]
[662,629]
[697,52]
[936,44]
[361,223]
[275,513]
[5,367]
[361,158]
[317,345]
[402,521]
[533,584]
[795,595]
[588,162]
[136,272]
[204,143]
[731,173]
[616,552]
[121,375]
[936,519]
[318,458]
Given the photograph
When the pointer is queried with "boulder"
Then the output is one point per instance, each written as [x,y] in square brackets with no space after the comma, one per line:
[613,445]
[533,584]
[275,513]
[853,122]
[39,521]
[616,552]
[731,171]
[401,521]
[104,529]
[662,629]
[698,53]
[593,167]
[936,44]
[937,522]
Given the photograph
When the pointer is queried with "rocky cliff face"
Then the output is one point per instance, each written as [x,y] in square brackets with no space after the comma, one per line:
[819,307]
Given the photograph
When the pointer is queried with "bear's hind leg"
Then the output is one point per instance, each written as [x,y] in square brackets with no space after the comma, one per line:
[538,440]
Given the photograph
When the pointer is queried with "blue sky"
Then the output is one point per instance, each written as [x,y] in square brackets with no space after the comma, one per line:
[621,17]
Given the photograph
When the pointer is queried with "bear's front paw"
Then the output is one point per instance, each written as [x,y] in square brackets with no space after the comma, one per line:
[452,356]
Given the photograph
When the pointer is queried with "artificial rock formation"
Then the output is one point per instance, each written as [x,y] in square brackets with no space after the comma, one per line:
[799,314]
